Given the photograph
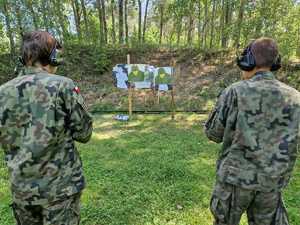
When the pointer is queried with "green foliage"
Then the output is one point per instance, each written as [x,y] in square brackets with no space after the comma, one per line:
[84,60]
[209,24]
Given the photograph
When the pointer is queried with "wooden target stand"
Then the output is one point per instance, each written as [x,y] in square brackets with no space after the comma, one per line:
[131,95]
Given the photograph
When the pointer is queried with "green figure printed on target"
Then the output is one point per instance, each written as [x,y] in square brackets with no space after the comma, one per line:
[136,74]
[163,77]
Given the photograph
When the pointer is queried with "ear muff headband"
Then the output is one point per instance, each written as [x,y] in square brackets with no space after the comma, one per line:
[277,64]
[246,61]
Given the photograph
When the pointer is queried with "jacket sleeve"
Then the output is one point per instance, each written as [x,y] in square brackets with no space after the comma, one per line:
[79,121]
[216,123]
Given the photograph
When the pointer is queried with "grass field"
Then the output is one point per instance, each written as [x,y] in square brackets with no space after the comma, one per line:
[150,171]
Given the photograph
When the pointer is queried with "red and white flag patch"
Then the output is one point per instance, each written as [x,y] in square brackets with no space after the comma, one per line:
[76,89]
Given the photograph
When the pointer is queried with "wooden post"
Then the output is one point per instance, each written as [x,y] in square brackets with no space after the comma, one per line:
[172,91]
[158,96]
[173,103]
[130,92]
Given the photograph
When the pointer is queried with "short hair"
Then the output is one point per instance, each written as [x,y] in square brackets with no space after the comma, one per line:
[265,52]
[36,47]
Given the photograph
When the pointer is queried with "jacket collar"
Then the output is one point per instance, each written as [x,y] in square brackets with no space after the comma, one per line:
[263,75]
[31,70]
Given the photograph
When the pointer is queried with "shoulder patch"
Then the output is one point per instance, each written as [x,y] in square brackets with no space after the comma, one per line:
[76,89]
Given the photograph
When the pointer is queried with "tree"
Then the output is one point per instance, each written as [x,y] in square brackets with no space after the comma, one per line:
[44,10]
[239,22]
[61,19]
[121,22]
[212,27]
[113,21]
[140,21]
[104,21]
[29,5]
[161,10]
[85,18]
[204,27]
[199,21]
[126,22]
[145,20]
[5,9]
[191,22]
[77,16]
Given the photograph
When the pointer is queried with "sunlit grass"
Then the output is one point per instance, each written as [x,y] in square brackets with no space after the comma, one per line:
[149,171]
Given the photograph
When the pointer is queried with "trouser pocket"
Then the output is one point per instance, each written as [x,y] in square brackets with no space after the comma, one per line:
[220,203]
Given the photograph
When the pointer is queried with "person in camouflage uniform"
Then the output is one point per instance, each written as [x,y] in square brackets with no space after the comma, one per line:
[258,121]
[42,115]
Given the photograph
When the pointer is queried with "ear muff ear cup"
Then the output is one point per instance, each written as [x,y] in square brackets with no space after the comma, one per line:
[53,61]
[21,60]
[277,64]
[246,61]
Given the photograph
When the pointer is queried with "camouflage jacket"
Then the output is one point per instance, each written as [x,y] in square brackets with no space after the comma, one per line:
[258,121]
[41,116]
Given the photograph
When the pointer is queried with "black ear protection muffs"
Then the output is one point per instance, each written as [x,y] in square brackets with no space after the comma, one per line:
[53,60]
[277,64]
[246,61]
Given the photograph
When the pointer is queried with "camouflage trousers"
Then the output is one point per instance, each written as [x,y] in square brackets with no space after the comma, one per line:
[230,202]
[66,212]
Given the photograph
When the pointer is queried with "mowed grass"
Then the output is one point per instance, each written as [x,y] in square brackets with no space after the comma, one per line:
[149,171]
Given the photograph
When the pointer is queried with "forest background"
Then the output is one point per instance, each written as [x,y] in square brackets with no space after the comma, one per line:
[202,36]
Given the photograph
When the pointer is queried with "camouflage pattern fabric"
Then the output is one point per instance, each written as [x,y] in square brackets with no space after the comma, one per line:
[41,116]
[65,212]
[259,124]
[229,202]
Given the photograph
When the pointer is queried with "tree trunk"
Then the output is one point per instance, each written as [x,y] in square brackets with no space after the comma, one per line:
[121,22]
[145,20]
[8,28]
[239,22]
[44,8]
[126,22]
[212,28]
[204,28]
[113,21]
[227,18]
[101,27]
[161,10]
[85,18]
[104,21]
[190,24]
[140,21]
[222,22]
[19,19]
[260,23]
[199,23]
[76,11]
[59,9]
[179,27]
[29,5]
